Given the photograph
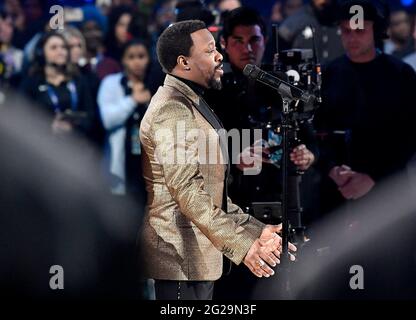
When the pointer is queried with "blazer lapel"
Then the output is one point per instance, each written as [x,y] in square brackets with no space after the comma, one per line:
[209,115]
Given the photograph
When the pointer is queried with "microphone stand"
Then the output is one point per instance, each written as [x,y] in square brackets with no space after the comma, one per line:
[291,209]
[285,169]
[294,203]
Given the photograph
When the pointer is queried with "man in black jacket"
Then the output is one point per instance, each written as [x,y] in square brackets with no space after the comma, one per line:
[367,114]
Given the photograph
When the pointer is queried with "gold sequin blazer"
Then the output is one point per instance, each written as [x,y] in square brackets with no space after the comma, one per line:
[185,232]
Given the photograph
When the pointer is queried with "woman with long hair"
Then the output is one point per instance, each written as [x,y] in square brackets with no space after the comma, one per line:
[118,34]
[79,57]
[76,44]
[55,84]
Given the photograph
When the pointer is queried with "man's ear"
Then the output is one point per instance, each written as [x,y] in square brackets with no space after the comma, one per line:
[183,63]
[223,43]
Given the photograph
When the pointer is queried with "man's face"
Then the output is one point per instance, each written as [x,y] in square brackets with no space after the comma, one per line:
[357,43]
[93,35]
[291,6]
[245,46]
[205,61]
[400,27]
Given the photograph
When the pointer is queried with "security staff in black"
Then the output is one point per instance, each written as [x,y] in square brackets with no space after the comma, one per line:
[296,31]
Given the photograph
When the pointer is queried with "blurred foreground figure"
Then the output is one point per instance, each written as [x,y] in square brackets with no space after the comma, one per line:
[319,15]
[55,211]
[373,260]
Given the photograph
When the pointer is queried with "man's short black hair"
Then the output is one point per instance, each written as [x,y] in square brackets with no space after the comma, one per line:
[374,10]
[176,40]
[242,16]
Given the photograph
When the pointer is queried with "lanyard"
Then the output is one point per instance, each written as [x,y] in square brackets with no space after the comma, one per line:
[93,63]
[55,100]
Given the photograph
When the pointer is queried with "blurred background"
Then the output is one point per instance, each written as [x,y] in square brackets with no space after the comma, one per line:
[74,85]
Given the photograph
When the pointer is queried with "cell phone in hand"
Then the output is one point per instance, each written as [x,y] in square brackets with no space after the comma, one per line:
[74,117]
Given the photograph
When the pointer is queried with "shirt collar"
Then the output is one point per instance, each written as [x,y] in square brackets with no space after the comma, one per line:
[197,88]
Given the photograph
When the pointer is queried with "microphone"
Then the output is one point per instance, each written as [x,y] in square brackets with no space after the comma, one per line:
[285,89]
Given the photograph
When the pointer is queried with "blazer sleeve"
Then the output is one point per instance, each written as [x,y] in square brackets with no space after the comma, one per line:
[232,234]
[238,215]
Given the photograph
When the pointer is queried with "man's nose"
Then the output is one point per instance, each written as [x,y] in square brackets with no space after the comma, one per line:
[219,57]
[248,47]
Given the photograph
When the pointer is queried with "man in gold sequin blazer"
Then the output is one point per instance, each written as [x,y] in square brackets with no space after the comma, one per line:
[190,222]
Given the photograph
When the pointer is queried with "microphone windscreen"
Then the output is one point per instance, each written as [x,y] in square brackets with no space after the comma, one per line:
[248,70]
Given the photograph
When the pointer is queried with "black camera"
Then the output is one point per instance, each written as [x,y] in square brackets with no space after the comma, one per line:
[297,64]
[300,68]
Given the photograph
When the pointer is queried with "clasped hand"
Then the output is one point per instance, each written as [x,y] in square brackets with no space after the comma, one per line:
[265,252]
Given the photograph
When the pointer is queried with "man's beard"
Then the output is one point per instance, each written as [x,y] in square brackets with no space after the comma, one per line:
[401,40]
[215,84]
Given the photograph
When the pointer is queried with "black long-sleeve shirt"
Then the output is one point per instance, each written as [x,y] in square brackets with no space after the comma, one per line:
[370,107]
[35,88]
